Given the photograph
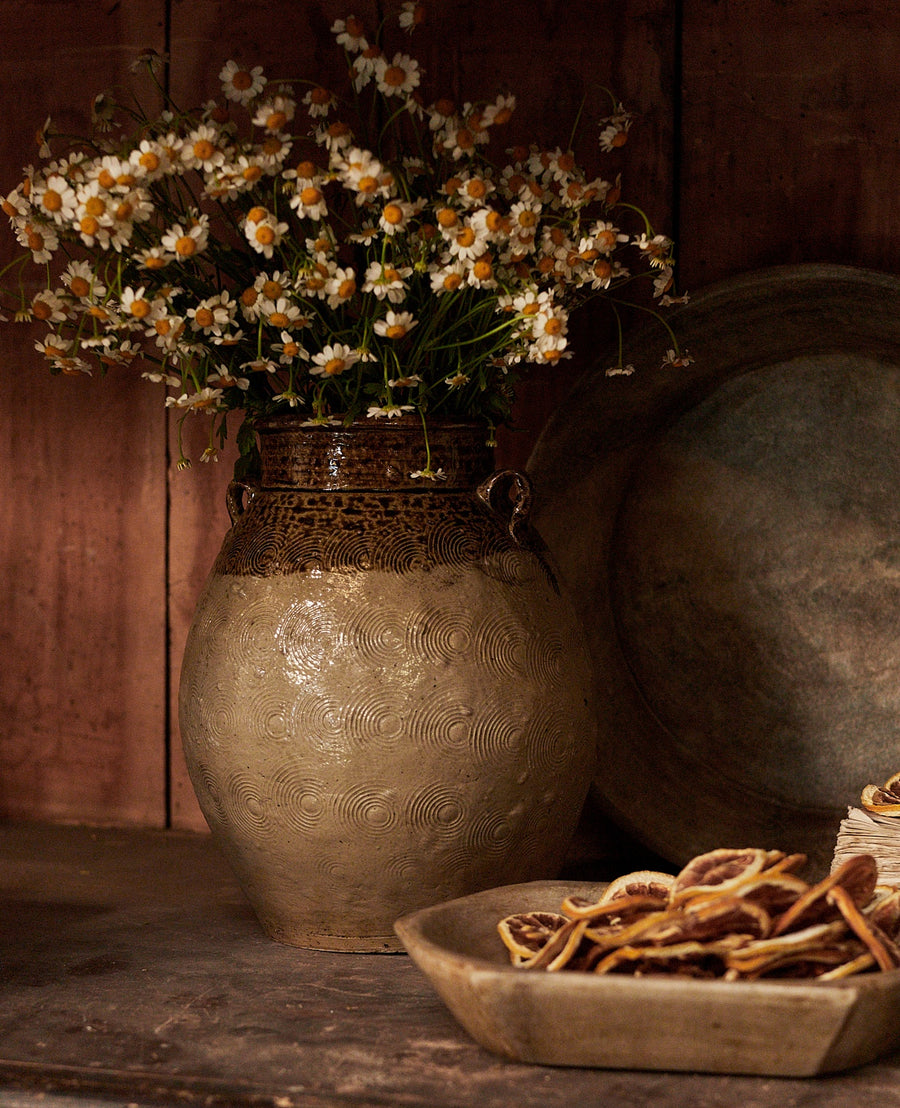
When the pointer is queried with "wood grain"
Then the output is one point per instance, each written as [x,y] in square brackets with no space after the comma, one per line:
[82,510]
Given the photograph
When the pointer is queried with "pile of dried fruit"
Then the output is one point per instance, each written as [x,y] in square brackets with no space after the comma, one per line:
[730,914]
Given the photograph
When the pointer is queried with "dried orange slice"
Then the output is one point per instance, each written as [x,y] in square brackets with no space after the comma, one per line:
[716,871]
[621,907]
[883,799]
[642,882]
[560,948]
[882,949]
[884,911]
[764,954]
[858,875]
[526,933]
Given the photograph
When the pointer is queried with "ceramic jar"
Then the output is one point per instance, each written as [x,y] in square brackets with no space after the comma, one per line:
[385,700]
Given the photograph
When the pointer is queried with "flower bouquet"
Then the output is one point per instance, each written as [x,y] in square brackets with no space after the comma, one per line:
[353,257]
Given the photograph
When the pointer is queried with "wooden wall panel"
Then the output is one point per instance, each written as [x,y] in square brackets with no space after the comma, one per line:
[791,135]
[82,499]
[551,55]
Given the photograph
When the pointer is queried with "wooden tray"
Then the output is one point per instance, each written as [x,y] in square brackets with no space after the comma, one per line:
[730,531]
[785,1028]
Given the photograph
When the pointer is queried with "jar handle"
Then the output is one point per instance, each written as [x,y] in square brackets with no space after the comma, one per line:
[234,498]
[509,493]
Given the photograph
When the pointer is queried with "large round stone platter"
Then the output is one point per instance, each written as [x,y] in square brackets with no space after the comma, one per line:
[731,531]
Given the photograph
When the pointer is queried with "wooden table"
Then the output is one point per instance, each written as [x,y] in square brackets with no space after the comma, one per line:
[133,972]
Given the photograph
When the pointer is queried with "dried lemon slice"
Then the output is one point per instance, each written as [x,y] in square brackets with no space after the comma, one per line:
[715,872]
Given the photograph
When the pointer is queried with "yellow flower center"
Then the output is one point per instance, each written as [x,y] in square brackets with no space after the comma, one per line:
[203,149]
[185,246]
[602,269]
[249,297]
[527,218]
[265,235]
[105,179]
[125,179]
[395,331]
[79,286]
[204,317]
[256,214]
[95,205]
[306,169]
[391,274]
[162,327]
[464,139]
[52,200]
[335,365]
[320,96]
[392,214]
[465,237]
[447,217]
[242,80]
[503,116]
[606,239]
[394,76]
[152,261]
[354,26]
[346,288]
[310,196]
[291,349]
[444,106]
[482,269]
[140,309]
[553,326]
[367,184]
[88,225]
[271,290]
[124,211]
[566,162]
[476,189]
[452,282]
[275,121]
[8,209]
[40,309]
[619,139]
[453,185]
[251,173]
[97,312]
[279,319]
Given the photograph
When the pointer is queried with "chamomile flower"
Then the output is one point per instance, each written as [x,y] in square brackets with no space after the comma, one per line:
[333,359]
[350,33]
[275,114]
[201,149]
[397,77]
[241,83]
[412,15]
[185,242]
[395,325]
[387,282]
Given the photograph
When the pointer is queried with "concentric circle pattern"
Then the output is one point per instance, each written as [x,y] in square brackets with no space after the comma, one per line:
[379,704]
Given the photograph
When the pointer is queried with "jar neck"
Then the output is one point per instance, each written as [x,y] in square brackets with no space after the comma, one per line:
[370,455]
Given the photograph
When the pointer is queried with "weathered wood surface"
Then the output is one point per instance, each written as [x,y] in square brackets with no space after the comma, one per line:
[83,494]
[132,969]
[787,151]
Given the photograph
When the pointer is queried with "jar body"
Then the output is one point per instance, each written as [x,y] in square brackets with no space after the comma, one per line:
[385,701]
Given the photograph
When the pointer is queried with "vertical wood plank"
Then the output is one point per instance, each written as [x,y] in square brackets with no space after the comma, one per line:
[82,499]
[791,135]
[551,54]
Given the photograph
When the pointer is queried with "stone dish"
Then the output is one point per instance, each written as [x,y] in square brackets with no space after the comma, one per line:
[736,559]
[783,1028]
